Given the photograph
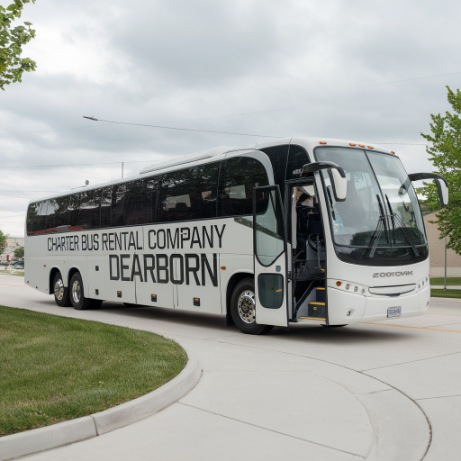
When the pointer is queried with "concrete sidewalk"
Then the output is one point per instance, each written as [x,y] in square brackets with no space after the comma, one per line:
[251,404]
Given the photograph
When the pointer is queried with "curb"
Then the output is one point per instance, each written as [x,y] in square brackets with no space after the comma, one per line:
[86,427]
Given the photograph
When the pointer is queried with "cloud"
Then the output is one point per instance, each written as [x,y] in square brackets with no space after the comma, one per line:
[360,70]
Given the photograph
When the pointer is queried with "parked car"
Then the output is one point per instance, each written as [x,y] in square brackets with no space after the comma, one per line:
[16,266]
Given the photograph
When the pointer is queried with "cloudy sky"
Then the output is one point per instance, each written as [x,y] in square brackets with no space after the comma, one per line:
[364,70]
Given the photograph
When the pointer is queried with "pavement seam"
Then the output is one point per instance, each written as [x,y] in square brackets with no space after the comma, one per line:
[411,361]
[271,430]
[363,373]
[415,402]
[438,397]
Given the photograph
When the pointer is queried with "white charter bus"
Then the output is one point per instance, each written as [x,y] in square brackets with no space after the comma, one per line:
[296,231]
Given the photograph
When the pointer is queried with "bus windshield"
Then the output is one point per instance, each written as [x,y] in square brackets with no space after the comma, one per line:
[380,220]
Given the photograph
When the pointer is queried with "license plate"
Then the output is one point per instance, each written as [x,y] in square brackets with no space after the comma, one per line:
[394,312]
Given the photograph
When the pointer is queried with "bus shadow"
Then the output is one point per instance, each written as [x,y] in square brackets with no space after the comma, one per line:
[347,335]
[315,334]
[159,314]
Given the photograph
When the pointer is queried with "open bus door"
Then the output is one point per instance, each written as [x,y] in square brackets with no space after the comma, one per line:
[270,257]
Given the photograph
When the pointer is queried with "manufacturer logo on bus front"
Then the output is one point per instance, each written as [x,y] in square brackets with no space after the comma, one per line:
[392,274]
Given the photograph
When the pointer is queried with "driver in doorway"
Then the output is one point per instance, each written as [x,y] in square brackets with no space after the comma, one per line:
[306,199]
[305,211]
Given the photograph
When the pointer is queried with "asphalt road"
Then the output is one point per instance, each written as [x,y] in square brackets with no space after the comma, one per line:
[375,391]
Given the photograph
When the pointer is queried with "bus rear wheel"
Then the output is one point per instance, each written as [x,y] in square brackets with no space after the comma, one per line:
[77,293]
[61,293]
[243,309]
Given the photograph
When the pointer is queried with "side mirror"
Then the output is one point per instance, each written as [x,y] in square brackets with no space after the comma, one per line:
[442,187]
[339,184]
[441,183]
[337,177]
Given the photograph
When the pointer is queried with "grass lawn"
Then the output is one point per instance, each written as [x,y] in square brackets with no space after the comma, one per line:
[448,293]
[54,369]
[450,281]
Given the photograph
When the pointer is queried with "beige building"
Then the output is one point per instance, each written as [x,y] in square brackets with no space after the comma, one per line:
[11,245]
[437,252]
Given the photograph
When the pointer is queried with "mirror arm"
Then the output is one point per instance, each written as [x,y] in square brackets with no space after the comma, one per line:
[313,167]
[420,176]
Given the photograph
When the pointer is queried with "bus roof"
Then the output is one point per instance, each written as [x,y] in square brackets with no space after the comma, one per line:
[308,142]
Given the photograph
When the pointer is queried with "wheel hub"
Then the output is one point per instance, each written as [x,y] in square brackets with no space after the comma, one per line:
[76,292]
[246,307]
[59,289]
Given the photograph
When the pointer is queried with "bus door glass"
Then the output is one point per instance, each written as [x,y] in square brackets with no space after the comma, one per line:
[270,258]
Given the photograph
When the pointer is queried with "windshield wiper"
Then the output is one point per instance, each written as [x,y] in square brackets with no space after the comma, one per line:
[373,245]
[403,228]
[331,203]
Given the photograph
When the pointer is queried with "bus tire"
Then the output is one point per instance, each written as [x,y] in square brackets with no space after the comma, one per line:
[61,293]
[77,293]
[243,308]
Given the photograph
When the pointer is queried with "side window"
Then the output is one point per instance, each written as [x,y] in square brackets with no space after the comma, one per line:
[175,200]
[87,216]
[297,157]
[278,156]
[61,213]
[106,203]
[238,178]
[118,204]
[204,189]
[36,220]
[49,208]
[74,209]
[139,203]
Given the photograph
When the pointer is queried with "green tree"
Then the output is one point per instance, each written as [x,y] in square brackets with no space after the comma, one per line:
[19,252]
[3,238]
[444,150]
[12,39]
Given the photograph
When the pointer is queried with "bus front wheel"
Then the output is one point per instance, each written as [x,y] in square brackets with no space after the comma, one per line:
[77,293]
[61,293]
[243,309]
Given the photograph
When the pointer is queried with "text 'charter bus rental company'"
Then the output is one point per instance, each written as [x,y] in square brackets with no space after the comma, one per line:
[298,230]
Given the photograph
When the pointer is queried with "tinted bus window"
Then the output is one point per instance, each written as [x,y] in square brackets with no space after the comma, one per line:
[118,204]
[297,157]
[204,189]
[278,156]
[139,203]
[239,176]
[36,221]
[106,203]
[61,213]
[87,213]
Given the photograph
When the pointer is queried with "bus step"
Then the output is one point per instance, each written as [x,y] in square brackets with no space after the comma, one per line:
[321,319]
[317,309]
